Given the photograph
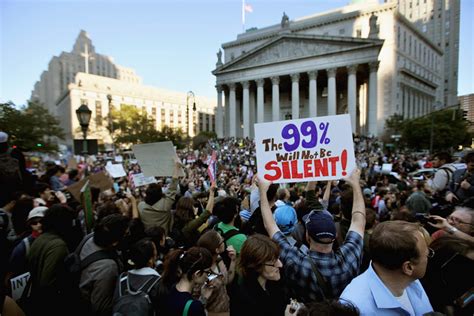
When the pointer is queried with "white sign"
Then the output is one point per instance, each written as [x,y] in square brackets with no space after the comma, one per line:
[156,159]
[386,168]
[139,180]
[118,158]
[115,170]
[311,149]
[18,285]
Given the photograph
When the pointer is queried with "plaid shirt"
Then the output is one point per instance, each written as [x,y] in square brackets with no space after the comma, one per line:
[338,268]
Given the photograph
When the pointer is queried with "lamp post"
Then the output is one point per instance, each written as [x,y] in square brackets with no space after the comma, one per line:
[84,116]
[189,95]
[111,124]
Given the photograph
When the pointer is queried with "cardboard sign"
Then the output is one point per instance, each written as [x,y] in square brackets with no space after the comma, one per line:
[99,180]
[311,149]
[115,170]
[156,159]
[139,180]
[18,285]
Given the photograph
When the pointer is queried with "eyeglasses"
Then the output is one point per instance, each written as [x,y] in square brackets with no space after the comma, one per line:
[431,253]
[457,220]
[275,264]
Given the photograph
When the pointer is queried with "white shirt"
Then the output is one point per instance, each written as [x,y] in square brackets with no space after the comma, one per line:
[404,301]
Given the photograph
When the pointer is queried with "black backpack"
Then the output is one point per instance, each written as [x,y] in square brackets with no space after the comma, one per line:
[134,303]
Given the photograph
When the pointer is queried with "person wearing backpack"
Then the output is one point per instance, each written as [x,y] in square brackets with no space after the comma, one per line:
[98,279]
[443,175]
[185,270]
[136,292]
[226,211]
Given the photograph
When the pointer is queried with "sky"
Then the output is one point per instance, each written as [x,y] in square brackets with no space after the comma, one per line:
[170,44]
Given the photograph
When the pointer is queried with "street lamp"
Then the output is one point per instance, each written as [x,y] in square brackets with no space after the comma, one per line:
[84,116]
[189,95]
[111,123]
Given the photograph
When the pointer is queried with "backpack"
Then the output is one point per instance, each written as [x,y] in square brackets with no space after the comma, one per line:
[134,303]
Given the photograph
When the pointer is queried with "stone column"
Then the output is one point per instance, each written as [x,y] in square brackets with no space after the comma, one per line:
[246,108]
[219,113]
[352,95]
[412,104]
[313,93]
[260,84]
[275,98]
[332,91]
[232,110]
[373,98]
[295,96]
[405,103]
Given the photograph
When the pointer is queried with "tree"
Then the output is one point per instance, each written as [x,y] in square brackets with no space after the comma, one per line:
[200,140]
[30,128]
[130,126]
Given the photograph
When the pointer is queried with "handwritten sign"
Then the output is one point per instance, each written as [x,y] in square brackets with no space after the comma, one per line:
[156,159]
[115,170]
[18,285]
[139,180]
[319,148]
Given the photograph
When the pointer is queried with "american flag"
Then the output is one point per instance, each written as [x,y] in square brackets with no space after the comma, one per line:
[212,167]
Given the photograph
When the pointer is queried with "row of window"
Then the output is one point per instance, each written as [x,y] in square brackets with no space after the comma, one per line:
[416,49]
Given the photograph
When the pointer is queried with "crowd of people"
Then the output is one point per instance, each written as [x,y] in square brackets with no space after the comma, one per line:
[373,243]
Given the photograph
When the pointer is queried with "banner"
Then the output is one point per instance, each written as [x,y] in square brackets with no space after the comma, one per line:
[212,167]
[311,149]
[115,170]
[139,180]
[156,159]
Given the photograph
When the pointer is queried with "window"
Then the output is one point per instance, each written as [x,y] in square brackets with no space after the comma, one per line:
[98,113]
[409,45]
[358,33]
[423,28]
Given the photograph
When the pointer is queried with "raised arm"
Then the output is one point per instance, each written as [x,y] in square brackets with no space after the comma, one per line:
[358,206]
[312,200]
[210,200]
[268,220]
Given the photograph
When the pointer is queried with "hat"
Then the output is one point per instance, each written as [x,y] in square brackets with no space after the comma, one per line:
[3,137]
[285,218]
[320,225]
[37,212]
[367,192]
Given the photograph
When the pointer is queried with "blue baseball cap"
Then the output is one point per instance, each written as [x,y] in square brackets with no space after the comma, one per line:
[286,219]
[320,226]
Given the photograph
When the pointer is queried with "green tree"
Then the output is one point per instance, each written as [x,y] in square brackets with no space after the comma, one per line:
[201,139]
[30,128]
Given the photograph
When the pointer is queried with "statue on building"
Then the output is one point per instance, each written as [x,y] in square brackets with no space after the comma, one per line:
[285,21]
[219,58]
[373,27]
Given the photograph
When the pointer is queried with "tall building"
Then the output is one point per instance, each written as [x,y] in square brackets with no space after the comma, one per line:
[83,76]
[366,59]
[439,21]
[466,103]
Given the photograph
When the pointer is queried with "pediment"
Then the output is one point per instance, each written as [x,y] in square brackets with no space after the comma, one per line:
[287,48]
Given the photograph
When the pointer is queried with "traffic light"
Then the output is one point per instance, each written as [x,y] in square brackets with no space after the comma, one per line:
[464,115]
[39,145]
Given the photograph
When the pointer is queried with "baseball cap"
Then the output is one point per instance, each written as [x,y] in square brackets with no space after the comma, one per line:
[3,137]
[367,192]
[37,212]
[320,225]
[285,218]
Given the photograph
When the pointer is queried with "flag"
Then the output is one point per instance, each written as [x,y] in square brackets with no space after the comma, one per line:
[212,167]
[248,8]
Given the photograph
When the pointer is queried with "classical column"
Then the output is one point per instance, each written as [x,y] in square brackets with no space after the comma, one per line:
[313,93]
[275,98]
[412,104]
[352,95]
[373,98]
[232,110]
[219,114]
[405,103]
[260,84]
[246,108]
[295,96]
[332,91]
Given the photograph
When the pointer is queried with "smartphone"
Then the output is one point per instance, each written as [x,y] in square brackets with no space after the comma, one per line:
[424,218]
[211,277]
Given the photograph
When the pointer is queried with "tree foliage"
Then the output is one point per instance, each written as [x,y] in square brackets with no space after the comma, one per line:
[449,130]
[200,140]
[30,128]
[131,126]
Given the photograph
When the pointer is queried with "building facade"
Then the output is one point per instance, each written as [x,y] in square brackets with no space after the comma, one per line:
[83,76]
[366,59]
[466,103]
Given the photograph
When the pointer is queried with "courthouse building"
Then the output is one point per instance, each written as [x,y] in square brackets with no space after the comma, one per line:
[83,76]
[365,59]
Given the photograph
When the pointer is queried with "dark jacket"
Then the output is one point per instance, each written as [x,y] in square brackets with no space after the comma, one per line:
[455,184]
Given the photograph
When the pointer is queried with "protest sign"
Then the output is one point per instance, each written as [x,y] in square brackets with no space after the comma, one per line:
[118,158]
[72,163]
[311,149]
[99,180]
[386,168]
[139,180]
[156,159]
[18,285]
[115,170]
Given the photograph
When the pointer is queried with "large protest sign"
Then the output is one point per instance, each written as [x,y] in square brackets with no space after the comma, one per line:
[99,180]
[18,285]
[115,170]
[319,148]
[139,180]
[156,159]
